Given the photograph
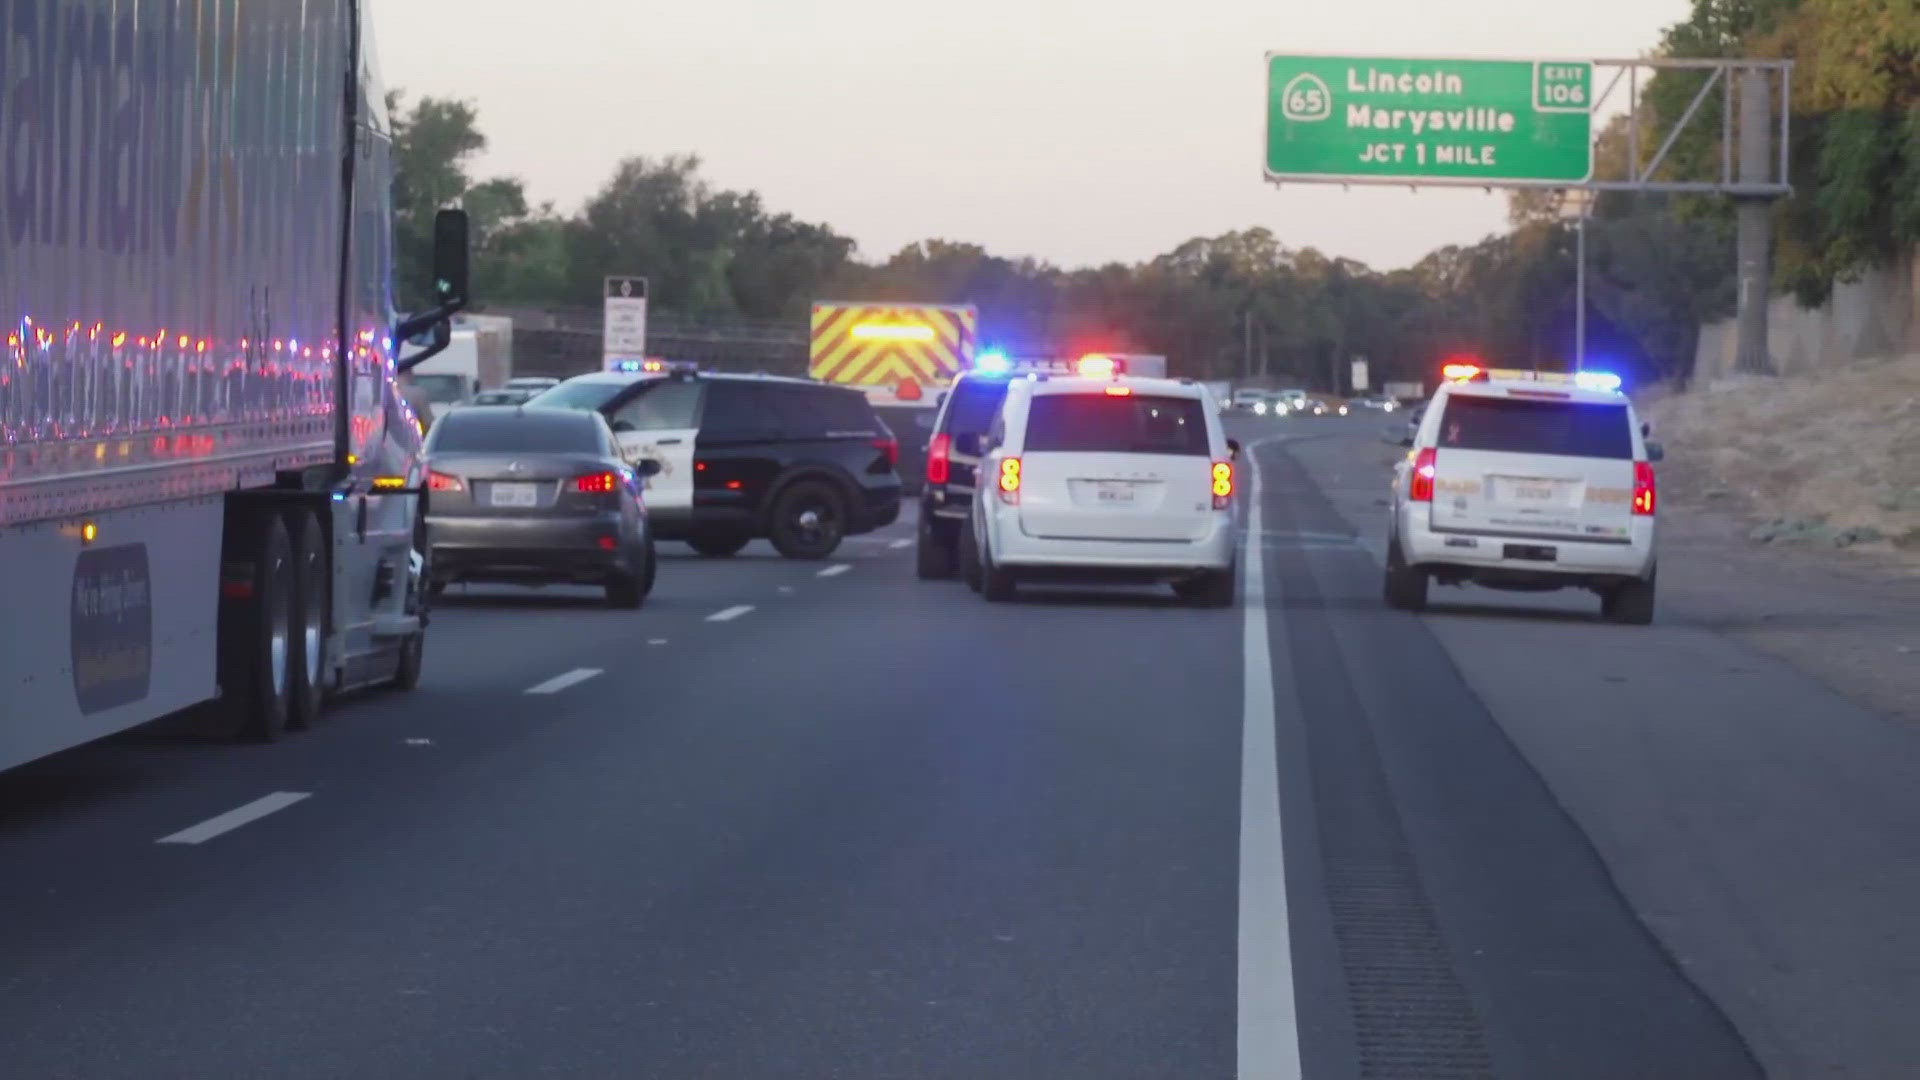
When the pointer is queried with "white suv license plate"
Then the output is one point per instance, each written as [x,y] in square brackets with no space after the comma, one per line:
[1113,492]
[516,495]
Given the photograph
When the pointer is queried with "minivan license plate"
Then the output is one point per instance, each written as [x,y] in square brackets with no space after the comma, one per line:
[516,495]
[1113,491]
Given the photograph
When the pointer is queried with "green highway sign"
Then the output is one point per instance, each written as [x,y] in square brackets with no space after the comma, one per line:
[1415,121]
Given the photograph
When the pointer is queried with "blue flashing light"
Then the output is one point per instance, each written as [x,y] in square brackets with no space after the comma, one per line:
[992,363]
[626,365]
[1604,381]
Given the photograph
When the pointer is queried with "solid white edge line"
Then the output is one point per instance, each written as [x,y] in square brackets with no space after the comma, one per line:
[898,544]
[835,570]
[1269,1023]
[234,818]
[561,682]
[730,614]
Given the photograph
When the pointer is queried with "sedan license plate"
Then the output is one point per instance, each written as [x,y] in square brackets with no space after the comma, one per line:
[1113,491]
[516,495]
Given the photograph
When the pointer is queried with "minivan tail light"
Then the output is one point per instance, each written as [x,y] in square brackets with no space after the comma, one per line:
[1645,494]
[1420,482]
[889,447]
[940,459]
[1222,484]
[1010,480]
[439,481]
[600,483]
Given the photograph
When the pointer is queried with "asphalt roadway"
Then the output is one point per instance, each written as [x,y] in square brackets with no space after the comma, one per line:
[826,820]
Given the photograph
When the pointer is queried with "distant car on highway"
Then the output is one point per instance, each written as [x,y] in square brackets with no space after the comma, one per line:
[1377,403]
[1118,478]
[535,496]
[1530,482]
[531,384]
[803,464]
[503,396]
[1248,399]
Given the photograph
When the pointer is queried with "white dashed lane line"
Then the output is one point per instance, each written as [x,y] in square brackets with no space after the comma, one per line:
[730,614]
[898,544]
[233,819]
[561,682]
[836,570]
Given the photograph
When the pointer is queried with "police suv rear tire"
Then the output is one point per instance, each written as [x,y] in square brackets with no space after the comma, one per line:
[1210,588]
[809,520]
[1405,587]
[969,558]
[934,558]
[1630,604]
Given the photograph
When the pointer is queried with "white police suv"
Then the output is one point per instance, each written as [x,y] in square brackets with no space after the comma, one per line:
[1098,476]
[1526,481]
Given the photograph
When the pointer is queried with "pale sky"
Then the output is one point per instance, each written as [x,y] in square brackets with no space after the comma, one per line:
[1076,131]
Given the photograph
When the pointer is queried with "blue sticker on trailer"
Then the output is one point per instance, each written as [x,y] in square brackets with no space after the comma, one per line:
[112,636]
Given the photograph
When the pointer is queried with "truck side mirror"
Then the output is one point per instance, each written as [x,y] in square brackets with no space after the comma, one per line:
[1233,449]
[1656,452]
[647,467]
[451,252]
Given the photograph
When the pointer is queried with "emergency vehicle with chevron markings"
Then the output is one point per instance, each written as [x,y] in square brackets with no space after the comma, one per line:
[898,354]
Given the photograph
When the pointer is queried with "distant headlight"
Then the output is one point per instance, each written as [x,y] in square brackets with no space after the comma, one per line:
[1343,410]
[1260,408]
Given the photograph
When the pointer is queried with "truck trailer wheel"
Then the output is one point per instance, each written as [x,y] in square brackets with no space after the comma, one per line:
[257,639]
[310,581]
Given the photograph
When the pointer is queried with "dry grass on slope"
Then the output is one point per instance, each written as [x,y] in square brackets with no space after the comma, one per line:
[1829,460]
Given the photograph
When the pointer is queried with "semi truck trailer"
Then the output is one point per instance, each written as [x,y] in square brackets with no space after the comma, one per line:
[210,490]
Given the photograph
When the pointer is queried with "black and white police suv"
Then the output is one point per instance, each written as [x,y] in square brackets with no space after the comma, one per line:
[738,457]
[1526,481]
[1104,477]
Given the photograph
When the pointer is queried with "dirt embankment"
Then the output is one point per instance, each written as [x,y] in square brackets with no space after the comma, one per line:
[1814,462]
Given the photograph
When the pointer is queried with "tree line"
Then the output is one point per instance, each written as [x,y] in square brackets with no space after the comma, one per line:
[1246,303]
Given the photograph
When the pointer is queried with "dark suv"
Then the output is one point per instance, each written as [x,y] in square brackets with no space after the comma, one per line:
[953,453]
[803,464]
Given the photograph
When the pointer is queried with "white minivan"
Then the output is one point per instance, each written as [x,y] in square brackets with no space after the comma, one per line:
[1105,479]
[1526,481]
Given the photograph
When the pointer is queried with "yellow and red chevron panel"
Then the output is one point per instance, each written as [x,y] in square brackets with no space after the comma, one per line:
[887,344]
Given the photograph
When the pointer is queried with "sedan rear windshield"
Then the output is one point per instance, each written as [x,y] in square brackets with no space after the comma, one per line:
[1573,429]
[1102,423]
[515,432]
[581,394]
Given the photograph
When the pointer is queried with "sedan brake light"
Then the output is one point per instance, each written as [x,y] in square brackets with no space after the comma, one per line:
[940,459]
[439,481]
[1420,481]
[600,483]
[1645,494]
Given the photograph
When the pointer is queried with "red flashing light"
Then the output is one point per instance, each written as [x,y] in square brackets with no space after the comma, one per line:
[1420,481]
[608,543]
[439,481]
[1096,366]
[1222,484]
[602,483]
[940,459]
[1461,372]
[1645,493]
[1010,480]
[734,485]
